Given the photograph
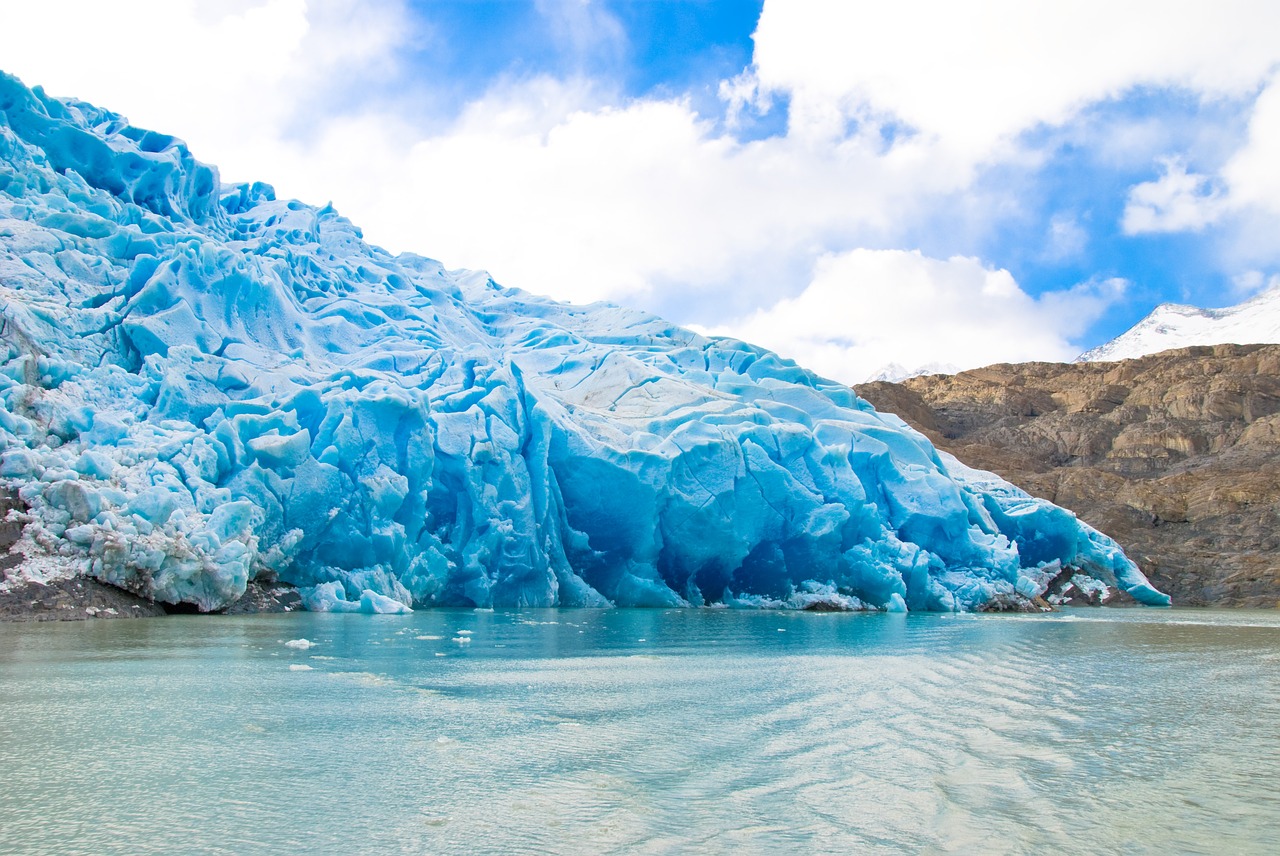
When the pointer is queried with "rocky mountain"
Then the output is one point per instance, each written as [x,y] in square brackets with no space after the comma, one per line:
[1176,455]
[1173,325]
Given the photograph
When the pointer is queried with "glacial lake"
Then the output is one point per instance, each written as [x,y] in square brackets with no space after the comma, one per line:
[635,731]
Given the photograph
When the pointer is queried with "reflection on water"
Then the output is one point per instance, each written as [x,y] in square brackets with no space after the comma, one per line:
[643,732]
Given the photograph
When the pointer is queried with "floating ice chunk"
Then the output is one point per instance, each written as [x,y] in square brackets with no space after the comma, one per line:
[372,603]
[299,667]
[331,597]
[299,644]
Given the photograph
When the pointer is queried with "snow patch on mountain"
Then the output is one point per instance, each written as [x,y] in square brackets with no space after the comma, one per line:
[897,372]
[1173,325]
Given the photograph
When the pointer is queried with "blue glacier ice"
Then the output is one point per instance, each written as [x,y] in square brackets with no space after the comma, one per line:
[204,385]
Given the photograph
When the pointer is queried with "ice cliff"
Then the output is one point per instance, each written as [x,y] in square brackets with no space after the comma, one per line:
[203,384]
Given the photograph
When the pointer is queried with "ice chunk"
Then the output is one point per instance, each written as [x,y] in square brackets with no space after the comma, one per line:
[18,462]
[332,597]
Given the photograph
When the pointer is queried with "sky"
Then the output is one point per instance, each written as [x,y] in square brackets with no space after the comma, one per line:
[852,184]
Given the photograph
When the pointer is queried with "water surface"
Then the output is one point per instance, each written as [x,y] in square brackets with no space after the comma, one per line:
[634,731]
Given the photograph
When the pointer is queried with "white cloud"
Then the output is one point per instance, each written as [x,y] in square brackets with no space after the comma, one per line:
[604,202]
[1245,192]
[1251,282]
[235,79]
[1242,198]
[1253,173]
[584,28]
[742,92]
[1066,239]
[1178,201]
[557,186]
[866,309]
[971,75]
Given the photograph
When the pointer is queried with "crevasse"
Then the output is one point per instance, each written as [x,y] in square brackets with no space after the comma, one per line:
[203,384]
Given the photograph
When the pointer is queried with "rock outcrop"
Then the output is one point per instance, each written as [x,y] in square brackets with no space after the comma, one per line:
[1175,455]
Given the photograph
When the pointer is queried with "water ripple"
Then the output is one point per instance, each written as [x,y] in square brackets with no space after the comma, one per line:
[645,732]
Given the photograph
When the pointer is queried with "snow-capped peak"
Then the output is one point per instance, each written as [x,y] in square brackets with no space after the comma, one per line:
[896,372]
[1173,325]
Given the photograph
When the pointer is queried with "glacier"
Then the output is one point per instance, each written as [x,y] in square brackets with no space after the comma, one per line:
[204,385]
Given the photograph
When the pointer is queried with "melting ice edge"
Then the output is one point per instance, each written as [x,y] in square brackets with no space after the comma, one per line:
[203,385]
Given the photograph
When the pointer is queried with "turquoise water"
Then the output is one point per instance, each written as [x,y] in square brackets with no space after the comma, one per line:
[1086,731]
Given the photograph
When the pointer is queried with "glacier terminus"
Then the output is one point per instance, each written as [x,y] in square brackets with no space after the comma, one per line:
[204,385]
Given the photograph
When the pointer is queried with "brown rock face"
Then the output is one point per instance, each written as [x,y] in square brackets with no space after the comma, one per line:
[1175,455]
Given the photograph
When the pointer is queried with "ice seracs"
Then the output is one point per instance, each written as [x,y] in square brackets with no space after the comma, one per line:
[203,384]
